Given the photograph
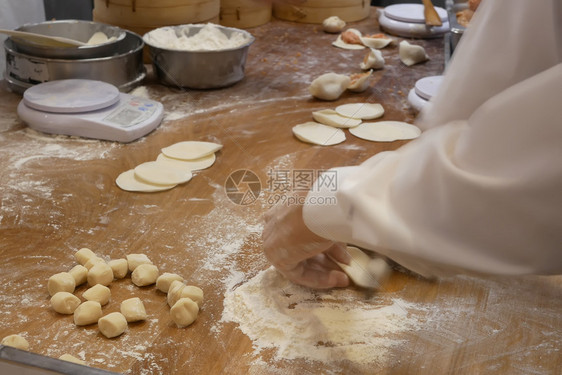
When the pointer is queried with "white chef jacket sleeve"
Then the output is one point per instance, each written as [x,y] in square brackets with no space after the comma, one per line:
[482,193]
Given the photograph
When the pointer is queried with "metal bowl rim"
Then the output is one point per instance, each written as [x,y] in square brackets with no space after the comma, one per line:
[11,49]
[251,40]
[122,33]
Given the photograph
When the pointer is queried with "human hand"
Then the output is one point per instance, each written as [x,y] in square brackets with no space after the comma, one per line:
[299,254]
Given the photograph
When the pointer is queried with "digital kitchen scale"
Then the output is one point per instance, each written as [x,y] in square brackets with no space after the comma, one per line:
[424,89]
[408,20]
[90,109]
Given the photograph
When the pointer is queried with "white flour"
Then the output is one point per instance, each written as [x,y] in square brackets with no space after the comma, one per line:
[324,326]
[209,38]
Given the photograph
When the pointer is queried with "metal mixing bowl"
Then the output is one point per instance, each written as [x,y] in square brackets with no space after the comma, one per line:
[125,69]
[73,29]
[200,69]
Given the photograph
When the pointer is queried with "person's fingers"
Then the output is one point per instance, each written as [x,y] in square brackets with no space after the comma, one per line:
[338,251]
[316,278]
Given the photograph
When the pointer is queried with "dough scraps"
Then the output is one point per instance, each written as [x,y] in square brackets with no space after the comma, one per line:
[318,134]
[386,131]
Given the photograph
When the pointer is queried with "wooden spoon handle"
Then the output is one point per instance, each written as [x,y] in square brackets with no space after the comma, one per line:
[430,14]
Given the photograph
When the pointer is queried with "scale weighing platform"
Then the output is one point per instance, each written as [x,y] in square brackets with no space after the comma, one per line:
[423,91]
[90,109]
[408,20]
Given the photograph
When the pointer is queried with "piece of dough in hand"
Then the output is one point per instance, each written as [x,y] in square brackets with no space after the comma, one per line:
[16,341]
[64,302]
[112,325]
[363,270]
[184,312]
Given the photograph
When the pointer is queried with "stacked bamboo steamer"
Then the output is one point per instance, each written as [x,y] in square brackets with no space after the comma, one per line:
[316,11]
[142,16]
[244,14]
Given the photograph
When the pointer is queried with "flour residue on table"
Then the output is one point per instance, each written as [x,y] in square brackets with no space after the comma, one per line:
[327,326]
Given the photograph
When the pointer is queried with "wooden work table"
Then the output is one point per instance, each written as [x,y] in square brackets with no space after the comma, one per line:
[58,194]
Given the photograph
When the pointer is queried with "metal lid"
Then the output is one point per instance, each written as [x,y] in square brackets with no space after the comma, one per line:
[71,96]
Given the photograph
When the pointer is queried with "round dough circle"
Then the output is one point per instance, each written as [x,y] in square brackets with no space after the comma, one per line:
[129,182]
[157,173]
[188,165]
[332,118]
[318,134]
[190,150]
[386,131]
[363,111]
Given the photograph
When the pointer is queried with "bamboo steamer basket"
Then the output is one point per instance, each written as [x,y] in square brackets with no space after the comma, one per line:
[244,14]
[142,16]
[316,11]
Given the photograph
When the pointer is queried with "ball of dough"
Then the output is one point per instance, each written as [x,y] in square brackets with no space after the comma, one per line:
[179,290]
[133,309]
[333,24]
[165,280]
[101,273]
[80,274]
[87,313]
[174,292]
[99,293]
[61,282]
[16,341]
[73,359]
[112,325]
[135,260]
[184,312]
[64,302]
[145,274]
[83,255]
[120,267]
[93,261]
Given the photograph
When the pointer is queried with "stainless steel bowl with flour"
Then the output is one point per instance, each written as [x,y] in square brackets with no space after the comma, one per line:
[199,56]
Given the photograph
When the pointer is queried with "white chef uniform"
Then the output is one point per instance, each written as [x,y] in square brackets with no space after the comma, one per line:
[481,188]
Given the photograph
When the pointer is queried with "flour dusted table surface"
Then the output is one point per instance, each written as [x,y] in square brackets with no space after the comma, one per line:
[58,194]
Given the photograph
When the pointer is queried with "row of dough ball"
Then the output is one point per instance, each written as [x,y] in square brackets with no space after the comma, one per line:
[328,131]
[143,273]
[173,166]
[19,342]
